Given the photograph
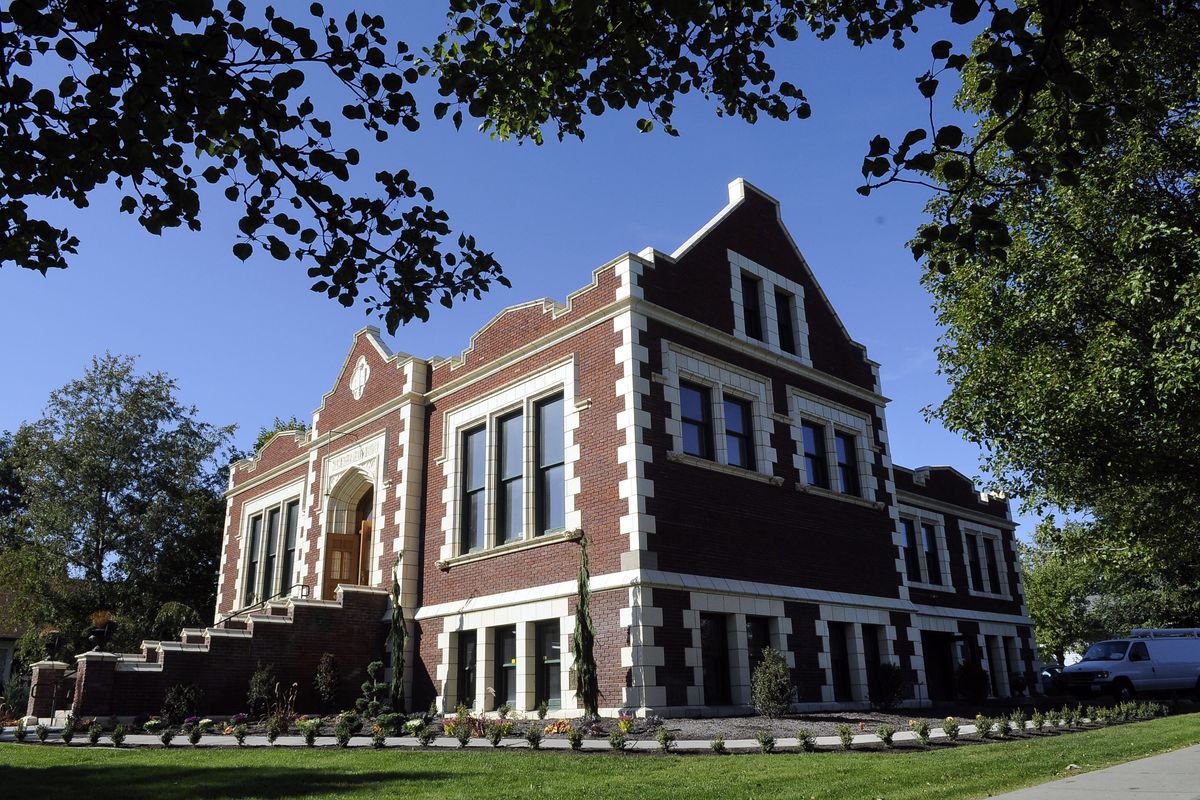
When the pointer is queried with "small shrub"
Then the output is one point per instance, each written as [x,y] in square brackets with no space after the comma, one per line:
[345,728]
[887,686]
[309,729]
[68,731]
[505,711]
[921,728]
[1038,719]
[984,725]
[666,739]
[378,737]
[542,709]
[766,742]
[575,738]
[1076,713]
[771,685]
[885,734]
[194,734]
[117,735]
[392,723]
[625,724]
[1018,720]
[494,733]
[846,735]
[806,741]
[534,736]
[425,735]
[239,734]
[180,702]
[167,735]
[276,727]
[462,732]
[717,745]
[21,731]
[618,739]
[325,683]
[1003,727]
[950,728]
[42,732]
[95,730]
[260,690]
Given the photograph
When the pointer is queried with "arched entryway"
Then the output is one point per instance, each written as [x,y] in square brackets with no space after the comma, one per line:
[348,534]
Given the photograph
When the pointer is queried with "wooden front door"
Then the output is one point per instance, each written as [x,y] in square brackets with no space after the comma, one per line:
[347,552]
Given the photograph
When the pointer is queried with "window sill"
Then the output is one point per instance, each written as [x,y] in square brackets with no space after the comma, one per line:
[933,587]
[845,498]
[728,469]
[511,547]
[988,595]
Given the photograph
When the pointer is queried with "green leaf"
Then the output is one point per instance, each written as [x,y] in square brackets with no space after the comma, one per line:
[242,250]
[1018,136]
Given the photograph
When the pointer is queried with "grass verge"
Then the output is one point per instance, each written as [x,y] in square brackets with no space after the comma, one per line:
[947,772]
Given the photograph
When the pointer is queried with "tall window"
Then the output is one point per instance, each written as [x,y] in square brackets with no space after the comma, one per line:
[474,482]
[752,307]
[989,550]
[912,566]
[290,522]
[551,456]
[252,559]
[510,467]
[933,559]
[549,659]
[847,463]
[696,415]
[739,433]
[466,668]
[505,666]
[973,561]
[816,467]
[272,550]
[783,314]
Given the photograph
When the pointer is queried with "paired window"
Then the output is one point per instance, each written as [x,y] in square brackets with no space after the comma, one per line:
[699,429]
[768,308]
[984,559]
[526,481]
[922,551]
[817,446]
[270,552]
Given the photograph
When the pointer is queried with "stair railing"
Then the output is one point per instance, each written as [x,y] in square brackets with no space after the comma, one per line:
[304,593]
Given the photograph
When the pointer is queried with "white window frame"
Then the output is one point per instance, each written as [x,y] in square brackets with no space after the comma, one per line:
[804,407]
[722,380]
[768,282]
[921,516]
[293,492]
[988,537]
[523,396]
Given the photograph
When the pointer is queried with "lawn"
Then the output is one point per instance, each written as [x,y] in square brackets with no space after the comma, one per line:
[944,772]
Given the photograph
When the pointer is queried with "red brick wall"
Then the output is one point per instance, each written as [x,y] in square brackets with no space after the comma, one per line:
[386,383]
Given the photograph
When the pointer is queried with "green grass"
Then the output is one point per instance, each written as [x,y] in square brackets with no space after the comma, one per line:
[946,772]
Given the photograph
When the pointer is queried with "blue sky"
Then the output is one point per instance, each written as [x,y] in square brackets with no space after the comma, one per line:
[248,342]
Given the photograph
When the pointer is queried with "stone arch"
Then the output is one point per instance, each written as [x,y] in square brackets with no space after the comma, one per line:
[349,524]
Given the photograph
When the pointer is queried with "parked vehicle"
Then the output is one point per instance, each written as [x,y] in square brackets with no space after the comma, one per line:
[1150,661]
[1050,676]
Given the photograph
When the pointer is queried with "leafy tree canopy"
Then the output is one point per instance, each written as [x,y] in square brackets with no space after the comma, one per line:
[122,505]
[160,96]
[293,423]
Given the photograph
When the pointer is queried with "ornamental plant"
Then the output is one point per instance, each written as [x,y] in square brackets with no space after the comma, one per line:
[618,739]
[117,735]
[94,732]
[543,709]
[533,735]
[239,734]
[575,738]
[983,726]
[1038,719]
[666,739]
[885,734]
[717,745]
[766,742]
[806,741]
[846,735]
[275,728]
[425,735]
[771,685]
[21,731]
[378,737]
[309,728]
[68,731]
[494,732]
[625,724]
[1003,727]
[462,732]
[1018,719]
[153,725]
[921,728]
[168,733]
[950,728]
[194,734]
[42,732]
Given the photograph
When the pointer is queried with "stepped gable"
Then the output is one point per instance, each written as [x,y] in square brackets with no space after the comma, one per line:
[949,486]
[370,376]
[519,325]
[291,636]
[281,448]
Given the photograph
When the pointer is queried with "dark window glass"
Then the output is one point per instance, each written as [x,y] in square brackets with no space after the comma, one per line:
[839,661]
[506,666]
[758,638]
[739,433]
[752,307]
[510,467]
[933,559]
[973,560]
[847,463]
[696,416]
[252,559]
[912,566]
[989,552]
[466,669]
[783,312]
[551,454]
[816,468]
[549,657]
[291,521]
[1139,652]
[272,550]
[714,657]
[473,448]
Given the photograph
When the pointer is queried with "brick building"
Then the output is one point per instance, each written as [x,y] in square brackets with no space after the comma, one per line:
[704,419]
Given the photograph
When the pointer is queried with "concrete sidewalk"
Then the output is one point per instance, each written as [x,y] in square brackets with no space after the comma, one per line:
[1171,776]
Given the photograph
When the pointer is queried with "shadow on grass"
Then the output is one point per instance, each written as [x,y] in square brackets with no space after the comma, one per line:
[146,782]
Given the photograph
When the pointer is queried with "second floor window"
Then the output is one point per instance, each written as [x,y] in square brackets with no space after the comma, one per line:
[695,405]
[816,466]
[510,468]
[976,572]
[933,559]
[739,433]
[271,552]
[912,563]
[551,456]
[752,307]
[847,463]
[474,446]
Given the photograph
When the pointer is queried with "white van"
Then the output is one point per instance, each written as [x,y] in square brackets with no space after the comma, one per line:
[1150,661]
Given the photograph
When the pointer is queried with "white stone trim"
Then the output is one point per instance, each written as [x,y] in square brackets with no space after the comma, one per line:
[988,537]
[519,396]
[722,379]
[768,283]
[833,418]
[921,516]
[368,457]
[854,618]
[633,420]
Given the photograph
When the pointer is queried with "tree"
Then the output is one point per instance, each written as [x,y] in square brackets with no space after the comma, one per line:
[1057,589]
[771,685]
[122,486]
[293,423]
[587,682]
[397,641]
[156,96]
